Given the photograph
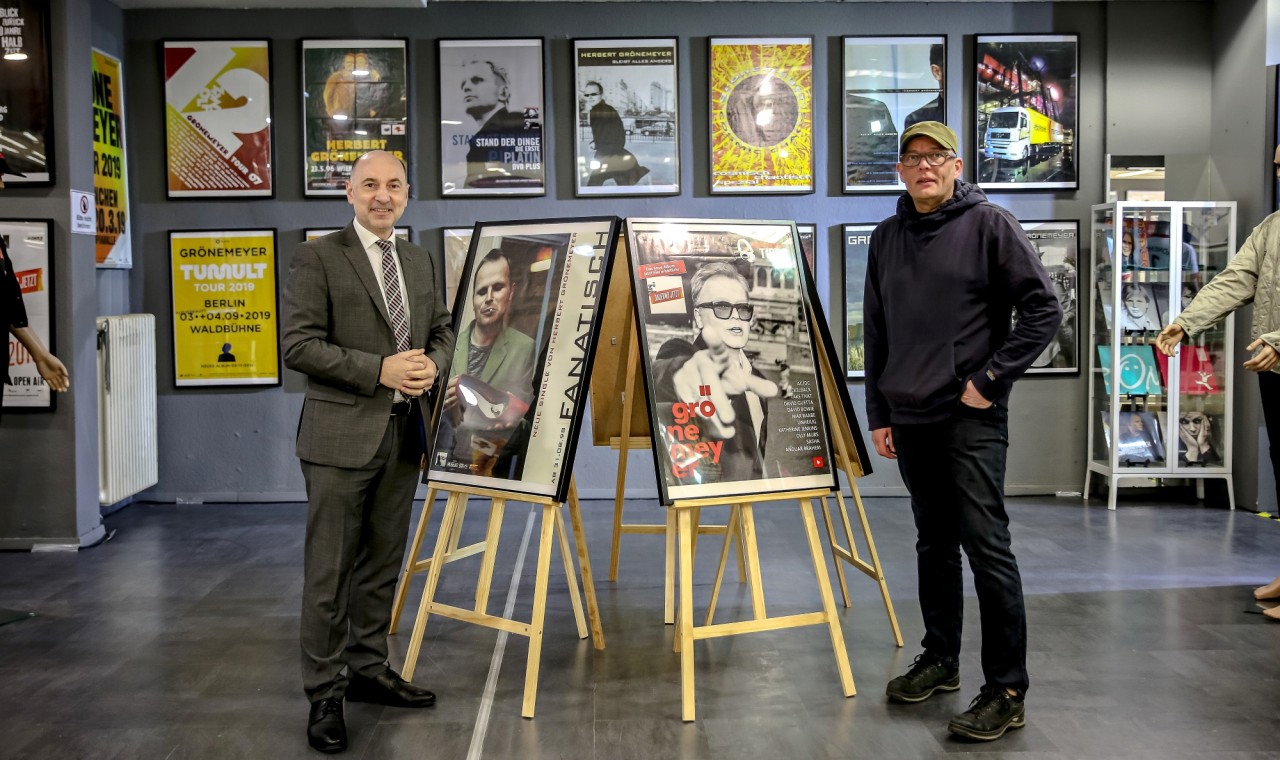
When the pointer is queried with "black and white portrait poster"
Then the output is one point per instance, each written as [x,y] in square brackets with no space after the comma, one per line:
[628,131]
[1026,111]
[456,242]
[30,247]
[527,317]
[735,401]
[491,117]
[1057,245]
[26,95]
[890,83]
[857,246]
[355,98]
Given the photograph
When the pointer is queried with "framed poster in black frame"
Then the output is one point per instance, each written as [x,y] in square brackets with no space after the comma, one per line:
[26,95]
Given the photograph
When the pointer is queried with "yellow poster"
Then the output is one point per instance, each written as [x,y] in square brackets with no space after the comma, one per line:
[225,328]
[110,184]
[762,115]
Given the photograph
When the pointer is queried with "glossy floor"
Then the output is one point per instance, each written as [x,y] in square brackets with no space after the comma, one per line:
[178,639]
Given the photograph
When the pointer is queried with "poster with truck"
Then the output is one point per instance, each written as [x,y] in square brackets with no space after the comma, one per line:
[1027,111]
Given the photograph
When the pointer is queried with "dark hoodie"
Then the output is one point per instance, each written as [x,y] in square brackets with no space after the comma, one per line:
[940,290]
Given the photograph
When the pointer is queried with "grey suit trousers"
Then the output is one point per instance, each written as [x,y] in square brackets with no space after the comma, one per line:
[357,521]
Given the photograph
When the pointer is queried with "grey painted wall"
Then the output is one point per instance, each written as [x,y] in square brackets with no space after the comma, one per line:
[49,472]
[238,444]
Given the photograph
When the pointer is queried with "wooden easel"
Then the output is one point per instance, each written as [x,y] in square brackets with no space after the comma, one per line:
[845,457]
[742,521]
[447,550]
[621,344]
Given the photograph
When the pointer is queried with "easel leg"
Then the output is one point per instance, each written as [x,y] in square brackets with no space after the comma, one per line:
[453,506]
[875,558]
[828,602]
[539,610]
[669,582]
[584,566]
[617,507]
[496,510]
[730,539]
[685,628]
[411,559]
[831,540]
[753,561]
[566,555]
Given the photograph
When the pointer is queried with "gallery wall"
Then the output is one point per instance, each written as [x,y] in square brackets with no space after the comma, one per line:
[238,444]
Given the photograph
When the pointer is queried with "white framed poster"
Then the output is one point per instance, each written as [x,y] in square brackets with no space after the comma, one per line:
[30,246]
[218,118]
[735,402]
[491,117]
[628,118]
[527,318]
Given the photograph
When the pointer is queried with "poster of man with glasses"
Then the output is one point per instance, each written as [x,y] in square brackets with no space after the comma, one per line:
[734,398]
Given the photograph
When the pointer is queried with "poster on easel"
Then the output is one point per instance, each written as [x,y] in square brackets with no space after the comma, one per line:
[527,319]
[30,247]
[218,119]
[26,95]
[110,179]
[728,358]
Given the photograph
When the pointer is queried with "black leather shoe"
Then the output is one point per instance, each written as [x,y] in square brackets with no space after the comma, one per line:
[927,675]
[326,730]
[388,688]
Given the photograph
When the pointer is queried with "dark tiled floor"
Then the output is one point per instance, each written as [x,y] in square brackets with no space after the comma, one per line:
[178,639]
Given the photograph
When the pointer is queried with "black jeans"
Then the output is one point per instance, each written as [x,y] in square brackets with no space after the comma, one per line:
[954,470]
[1269,384]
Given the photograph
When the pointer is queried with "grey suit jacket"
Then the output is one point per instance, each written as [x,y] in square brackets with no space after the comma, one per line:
[337,332]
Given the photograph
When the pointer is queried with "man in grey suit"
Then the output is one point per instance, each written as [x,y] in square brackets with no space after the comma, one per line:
[366,322]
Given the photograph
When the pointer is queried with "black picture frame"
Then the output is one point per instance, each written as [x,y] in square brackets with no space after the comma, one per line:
[856,244]
[49,333]
[1027,84]
[27,129]
[517,409]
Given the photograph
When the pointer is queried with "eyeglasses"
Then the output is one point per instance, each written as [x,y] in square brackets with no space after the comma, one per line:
[934,159]
[723,309]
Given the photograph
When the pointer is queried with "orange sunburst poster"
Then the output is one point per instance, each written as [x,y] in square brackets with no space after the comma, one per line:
[762,115]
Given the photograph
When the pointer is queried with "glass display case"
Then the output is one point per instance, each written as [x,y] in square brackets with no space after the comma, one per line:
[1154,417]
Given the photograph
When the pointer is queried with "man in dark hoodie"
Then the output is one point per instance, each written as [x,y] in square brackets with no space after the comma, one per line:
[943,275]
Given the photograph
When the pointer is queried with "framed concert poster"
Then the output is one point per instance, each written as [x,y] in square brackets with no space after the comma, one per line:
[1058,246]
[218,118]
[223,286]
[456,243]
[110,178]
[728,359]
[30,246]
[528,316]
[491,118]
[355,98]
[761,115]
[857,246]
[890,83]
[1027,112]
[26,95]
[628,128]
[311,233]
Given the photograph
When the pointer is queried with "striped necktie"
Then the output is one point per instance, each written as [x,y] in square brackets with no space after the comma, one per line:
[391,291]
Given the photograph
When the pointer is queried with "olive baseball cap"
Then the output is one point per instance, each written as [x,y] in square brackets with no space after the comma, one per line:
[935,130]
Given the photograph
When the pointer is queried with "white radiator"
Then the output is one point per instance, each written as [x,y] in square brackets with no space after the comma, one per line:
[127,451]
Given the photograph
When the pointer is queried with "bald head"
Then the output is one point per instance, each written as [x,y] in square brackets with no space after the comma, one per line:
[379,191]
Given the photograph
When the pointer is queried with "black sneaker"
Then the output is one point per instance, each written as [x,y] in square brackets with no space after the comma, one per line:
[927,675]
[990,714]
